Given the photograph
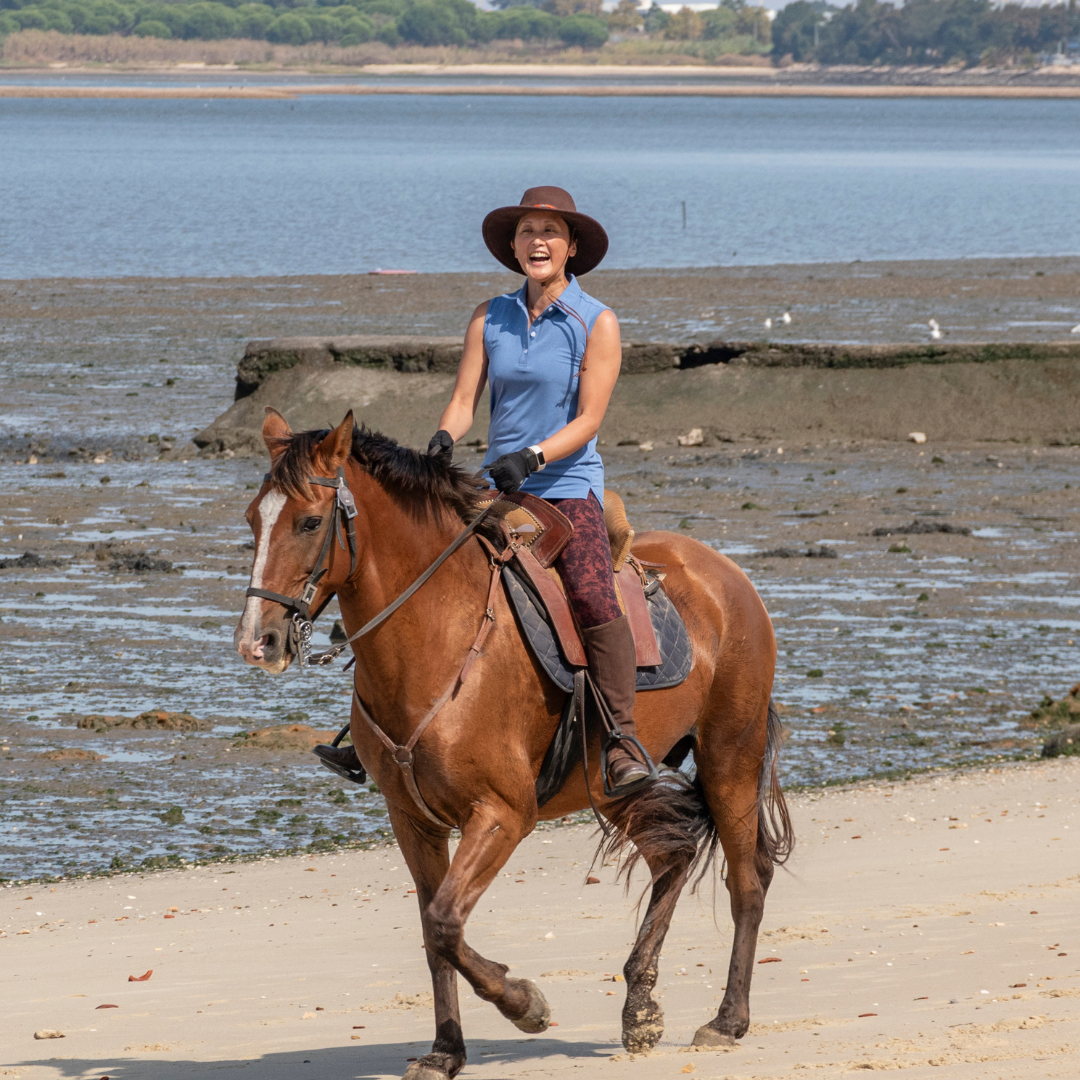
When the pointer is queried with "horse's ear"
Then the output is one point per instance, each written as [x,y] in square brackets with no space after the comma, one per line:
[336,448]
[275,429]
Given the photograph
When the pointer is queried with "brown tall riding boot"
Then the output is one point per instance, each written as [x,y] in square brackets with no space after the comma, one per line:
[613,666]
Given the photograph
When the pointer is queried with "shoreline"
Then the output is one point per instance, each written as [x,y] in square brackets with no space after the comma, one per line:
[479,90]
[848,785]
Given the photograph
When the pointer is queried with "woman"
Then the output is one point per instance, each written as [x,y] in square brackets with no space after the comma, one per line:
[552,354]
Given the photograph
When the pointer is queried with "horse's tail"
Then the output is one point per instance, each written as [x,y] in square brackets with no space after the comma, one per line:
[776,837]
[668,824]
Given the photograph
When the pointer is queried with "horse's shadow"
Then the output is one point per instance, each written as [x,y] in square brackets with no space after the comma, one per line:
[374,1061]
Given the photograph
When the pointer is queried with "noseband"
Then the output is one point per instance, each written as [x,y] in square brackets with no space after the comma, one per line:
[298,639]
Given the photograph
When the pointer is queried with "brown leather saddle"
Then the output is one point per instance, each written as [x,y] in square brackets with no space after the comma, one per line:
[538,532]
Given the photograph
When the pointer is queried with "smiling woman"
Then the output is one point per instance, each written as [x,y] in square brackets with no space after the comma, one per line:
[551,354]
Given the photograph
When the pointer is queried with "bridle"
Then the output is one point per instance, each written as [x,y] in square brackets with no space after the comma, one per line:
[298,638]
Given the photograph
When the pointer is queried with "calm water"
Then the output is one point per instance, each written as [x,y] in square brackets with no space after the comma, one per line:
[337,185]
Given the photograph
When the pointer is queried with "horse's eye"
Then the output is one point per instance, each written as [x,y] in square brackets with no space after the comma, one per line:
[311,524]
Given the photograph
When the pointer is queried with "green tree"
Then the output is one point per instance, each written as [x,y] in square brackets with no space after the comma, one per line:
[718,23]
[289,29]
[254,20]
[208,21]
[587,31]
[357,30]
[152,28]
[793,30]
[438,22]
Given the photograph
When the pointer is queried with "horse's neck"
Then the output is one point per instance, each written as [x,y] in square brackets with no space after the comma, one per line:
[420,640]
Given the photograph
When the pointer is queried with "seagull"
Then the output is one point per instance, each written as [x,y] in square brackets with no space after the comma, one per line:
[768,324]
[935,330]
[1075,329]
[786,318]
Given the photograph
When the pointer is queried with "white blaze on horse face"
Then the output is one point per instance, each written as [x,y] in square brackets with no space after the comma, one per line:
[269,510]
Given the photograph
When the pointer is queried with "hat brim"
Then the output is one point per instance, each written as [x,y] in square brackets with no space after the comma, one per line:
[592,241]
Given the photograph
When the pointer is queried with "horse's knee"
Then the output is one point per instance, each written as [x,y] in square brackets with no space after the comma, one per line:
[443,930]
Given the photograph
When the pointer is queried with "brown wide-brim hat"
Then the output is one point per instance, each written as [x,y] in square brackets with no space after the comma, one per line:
[500,225]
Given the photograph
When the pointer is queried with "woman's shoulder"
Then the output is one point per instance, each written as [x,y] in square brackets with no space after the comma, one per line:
[591,304]
[501,305]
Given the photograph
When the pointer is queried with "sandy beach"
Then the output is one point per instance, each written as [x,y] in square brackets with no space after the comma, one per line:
[908,910]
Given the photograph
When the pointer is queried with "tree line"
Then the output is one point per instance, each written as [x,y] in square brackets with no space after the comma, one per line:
[297,22]
[923,32]
[866,32]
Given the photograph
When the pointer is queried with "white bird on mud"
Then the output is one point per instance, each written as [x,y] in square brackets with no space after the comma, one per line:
[768,324]
[935,330]
[786,318]
[1075,329]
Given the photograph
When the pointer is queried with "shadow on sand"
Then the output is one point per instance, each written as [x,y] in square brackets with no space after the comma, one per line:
[378,1061]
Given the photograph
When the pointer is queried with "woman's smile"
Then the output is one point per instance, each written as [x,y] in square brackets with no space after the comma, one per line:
[542,245]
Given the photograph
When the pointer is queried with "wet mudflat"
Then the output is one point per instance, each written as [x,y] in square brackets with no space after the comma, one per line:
[933,653]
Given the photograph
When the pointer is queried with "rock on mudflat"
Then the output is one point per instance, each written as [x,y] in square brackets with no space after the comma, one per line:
[1063,743]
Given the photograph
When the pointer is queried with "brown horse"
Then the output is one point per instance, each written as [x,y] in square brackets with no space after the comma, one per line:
[477,763]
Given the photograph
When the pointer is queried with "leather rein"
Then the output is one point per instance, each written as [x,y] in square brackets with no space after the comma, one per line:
[298,640]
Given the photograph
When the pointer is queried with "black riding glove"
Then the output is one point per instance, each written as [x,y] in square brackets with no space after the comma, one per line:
[441,446]
[512,470]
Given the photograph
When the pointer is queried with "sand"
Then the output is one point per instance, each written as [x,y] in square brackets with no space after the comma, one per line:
[908,909]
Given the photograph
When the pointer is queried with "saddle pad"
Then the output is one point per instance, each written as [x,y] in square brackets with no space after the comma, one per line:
[676,653]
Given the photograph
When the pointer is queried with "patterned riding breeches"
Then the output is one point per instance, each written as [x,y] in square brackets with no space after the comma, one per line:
[585,563]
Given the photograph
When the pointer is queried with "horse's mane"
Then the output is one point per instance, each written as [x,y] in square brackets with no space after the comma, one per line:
[426,483]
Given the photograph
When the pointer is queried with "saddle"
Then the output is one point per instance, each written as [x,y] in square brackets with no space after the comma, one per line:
[538,533]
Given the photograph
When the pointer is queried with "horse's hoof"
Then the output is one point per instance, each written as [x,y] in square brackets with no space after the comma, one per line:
[642,1027]
[537,1016]
[709,1036]
[431,1067]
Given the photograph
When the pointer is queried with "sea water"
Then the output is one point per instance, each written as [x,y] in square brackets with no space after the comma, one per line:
[340,184]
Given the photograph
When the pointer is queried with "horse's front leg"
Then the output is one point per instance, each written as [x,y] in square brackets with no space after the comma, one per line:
[487,841]
[427,854]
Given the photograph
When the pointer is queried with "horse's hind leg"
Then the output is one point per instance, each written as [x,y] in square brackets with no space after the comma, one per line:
[655,825]
[427,856]
[487,841]
[733,799]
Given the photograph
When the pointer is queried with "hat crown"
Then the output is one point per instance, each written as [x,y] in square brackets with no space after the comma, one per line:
[548,198]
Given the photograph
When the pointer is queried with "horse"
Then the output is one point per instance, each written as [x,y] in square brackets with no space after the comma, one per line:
[477,752]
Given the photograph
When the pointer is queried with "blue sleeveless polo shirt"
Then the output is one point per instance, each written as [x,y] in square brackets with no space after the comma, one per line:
[533,374]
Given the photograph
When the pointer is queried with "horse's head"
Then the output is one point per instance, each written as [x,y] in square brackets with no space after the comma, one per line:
[290,517]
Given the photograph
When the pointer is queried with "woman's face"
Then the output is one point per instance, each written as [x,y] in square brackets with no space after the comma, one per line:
[542,245]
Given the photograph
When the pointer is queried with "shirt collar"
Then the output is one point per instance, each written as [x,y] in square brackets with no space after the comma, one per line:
[568,296]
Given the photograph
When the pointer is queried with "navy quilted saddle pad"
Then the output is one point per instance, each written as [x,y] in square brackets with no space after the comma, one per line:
[676,654]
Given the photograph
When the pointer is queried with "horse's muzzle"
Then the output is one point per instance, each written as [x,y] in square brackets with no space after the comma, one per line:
[267,652]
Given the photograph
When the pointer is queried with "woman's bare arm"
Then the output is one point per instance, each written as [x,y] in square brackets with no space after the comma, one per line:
[458,415]
[599,371]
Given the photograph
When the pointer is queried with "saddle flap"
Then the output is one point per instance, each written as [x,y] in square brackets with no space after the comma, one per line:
[535,524]
[558,608]
[632,592]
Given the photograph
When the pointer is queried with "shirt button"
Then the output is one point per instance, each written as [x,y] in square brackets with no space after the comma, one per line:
[534,333]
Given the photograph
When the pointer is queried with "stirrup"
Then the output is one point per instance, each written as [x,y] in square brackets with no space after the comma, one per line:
[357,777]
[622,790]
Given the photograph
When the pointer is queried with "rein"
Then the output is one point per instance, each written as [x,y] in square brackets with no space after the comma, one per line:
[300,627]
